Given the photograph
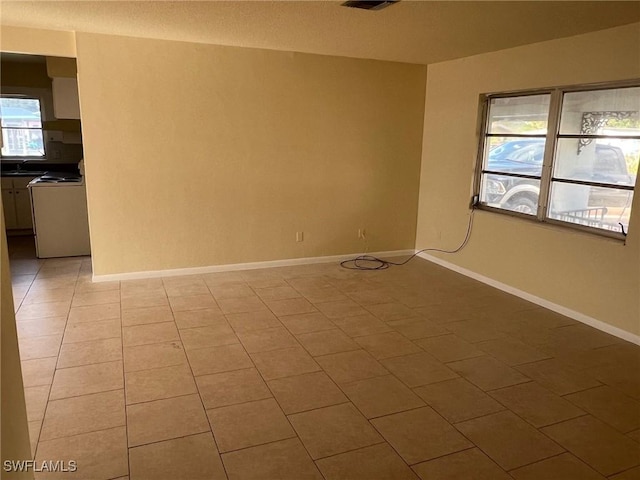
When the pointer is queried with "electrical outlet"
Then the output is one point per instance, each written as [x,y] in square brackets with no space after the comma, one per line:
[299,236]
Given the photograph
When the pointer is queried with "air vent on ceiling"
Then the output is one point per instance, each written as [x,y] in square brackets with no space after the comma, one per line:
[369,4]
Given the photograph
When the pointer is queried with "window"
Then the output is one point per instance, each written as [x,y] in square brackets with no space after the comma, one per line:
[567,156]
[21,127]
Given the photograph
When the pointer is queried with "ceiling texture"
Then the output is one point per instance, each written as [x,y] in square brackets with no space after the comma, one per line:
[409,31]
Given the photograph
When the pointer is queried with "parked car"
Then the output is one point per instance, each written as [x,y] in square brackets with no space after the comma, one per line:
[525,157]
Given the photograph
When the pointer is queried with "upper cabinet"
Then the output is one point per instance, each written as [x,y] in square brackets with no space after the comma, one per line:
[63,72]
[65,98]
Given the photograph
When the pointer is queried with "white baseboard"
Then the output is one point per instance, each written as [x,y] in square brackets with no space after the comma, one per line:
[240,266]
[580,317]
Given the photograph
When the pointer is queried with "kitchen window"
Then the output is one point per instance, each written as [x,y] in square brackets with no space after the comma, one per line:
[565,156]
[21,123]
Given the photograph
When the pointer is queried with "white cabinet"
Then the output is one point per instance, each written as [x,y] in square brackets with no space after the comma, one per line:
[17,203]
[65,98]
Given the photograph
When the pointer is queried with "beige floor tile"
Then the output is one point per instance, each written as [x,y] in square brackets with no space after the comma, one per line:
[156,355]
[557,377]
[360,325]
[41,327]
[387,345]
[129,303]
[307,323]
[391,311]
[536,405]
[251,321]
[160,420]
[95,298]
[237,290]
[380,396]
[306,392]
[94,313]
[159,383]
[49,295]
[223,358]
[417,327]
[89,331]
[418,369]
[474,331]
[249,424]
[286,459]
[223,278]
[332,430]
[212,336]
[340,309]
[635,435]
[186,289]
[43,310]
[458,400]
[35,399]
[194,457]
[284,363]
[323,294]
[468,464]
[631,474]
[597,444]
[89,286]
[192,302]
[87,379]
[610,406]
[241,305]
[372,297]
[487,373]
[327,342]
[377,461]
[62,281]
[206,317]
[142,288]
[38,372]
[99,455]
[512,352]
[267,339]
[351,366]
[564,466]
[141,316]
[86,353]
[406,433]
[230,388]
[449,348]
[508,440]
[34,434]
[277,293]
[39,347]
[150,333]
[84,414]
[291,306]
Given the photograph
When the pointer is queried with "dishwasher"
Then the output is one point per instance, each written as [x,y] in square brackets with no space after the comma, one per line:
[60,222]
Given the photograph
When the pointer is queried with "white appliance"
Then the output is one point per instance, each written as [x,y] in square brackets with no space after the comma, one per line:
[60,221]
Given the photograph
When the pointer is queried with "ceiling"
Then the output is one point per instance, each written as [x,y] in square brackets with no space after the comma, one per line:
[409,31]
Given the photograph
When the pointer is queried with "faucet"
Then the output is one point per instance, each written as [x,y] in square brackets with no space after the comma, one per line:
[20,165]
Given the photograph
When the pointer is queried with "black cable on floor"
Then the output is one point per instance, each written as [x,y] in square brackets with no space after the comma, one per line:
[374,263]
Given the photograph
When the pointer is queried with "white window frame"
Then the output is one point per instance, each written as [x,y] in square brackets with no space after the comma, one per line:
[20,158]
[551,139]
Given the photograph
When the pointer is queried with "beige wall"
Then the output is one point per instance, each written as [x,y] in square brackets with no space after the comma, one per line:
[36,41]
[14,440]
[201,155]
[592,275]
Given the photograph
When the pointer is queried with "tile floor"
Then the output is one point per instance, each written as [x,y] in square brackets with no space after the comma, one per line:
[317,372]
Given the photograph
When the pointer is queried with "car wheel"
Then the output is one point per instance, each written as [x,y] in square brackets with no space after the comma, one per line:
[524,205]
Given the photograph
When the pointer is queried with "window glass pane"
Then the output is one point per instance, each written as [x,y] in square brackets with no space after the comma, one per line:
[22,142]
[20,112]
[525,115]
[601,112]
[510,193]
[613,161]
[514,155]
[597,207]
